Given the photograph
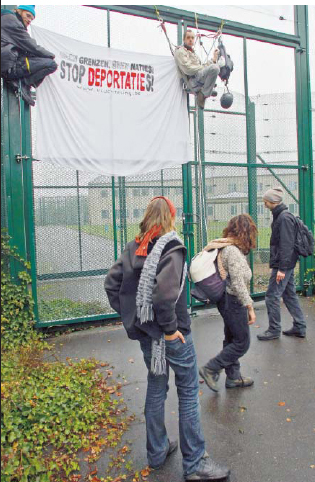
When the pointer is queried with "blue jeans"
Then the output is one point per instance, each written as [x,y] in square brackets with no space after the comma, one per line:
[286,290]
[237,337]
[181,357]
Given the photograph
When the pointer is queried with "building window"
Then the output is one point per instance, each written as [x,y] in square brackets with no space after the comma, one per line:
[104,193]
[292,185]
[136,192]
[136,213]
[260,209]
[232,187]
[179,212]
[145,192]
[233,209]
[260,186]
[105,214]
[157,191]
[210,210]
[293,208]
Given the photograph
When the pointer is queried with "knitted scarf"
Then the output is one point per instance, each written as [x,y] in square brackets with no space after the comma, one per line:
[145,312]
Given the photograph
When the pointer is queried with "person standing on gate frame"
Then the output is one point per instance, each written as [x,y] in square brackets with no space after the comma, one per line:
[24,63]
[199,78]
[283,259]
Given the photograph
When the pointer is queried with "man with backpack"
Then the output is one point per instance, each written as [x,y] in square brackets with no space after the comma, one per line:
[289,239]
[24,63]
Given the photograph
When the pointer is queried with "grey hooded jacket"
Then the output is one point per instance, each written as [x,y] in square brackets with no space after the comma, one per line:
[121,284]
[16,41]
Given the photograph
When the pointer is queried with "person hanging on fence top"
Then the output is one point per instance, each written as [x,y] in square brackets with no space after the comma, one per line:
[199,78]
[24,63]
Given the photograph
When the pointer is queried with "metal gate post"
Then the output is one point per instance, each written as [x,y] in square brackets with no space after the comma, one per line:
[304,131]
[13,171]
[251,157]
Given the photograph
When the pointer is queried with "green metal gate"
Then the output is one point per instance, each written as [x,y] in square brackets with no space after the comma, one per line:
[72,225]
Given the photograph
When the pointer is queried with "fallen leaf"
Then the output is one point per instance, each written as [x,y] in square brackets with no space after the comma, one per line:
[289,420]
[288,410]
[312,466]
[265,383]
[281,404]
[131,360]
[108,341]
[242,409]
[145,472]
[241,430]
[200,393]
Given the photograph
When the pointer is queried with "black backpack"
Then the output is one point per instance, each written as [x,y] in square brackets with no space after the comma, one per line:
[225,71]
[304,239]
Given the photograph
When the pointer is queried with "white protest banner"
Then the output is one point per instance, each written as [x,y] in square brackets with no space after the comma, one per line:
[110,111]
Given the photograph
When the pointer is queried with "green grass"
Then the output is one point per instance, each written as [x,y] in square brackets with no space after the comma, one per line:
[214,231]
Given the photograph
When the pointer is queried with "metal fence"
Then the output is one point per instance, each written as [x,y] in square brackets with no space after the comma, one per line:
[77,223]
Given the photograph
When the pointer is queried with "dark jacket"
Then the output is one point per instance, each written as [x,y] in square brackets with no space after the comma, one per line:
[121,284]
[282,253]
[16,41]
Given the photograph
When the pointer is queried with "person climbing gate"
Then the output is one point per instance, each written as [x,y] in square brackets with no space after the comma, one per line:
[199,78]
[24,63]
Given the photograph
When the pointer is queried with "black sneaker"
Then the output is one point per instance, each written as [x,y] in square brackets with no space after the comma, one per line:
[213,93]
[268,335]
[210,377]
[294,332]
[173,446]
[208,470]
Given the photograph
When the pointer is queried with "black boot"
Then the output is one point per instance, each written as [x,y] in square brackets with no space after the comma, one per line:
[294,332]
[268,335]
[26,94]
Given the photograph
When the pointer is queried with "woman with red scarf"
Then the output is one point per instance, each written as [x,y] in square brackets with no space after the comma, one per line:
[146,286]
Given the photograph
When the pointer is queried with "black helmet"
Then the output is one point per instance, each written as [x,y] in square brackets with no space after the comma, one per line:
[226,100]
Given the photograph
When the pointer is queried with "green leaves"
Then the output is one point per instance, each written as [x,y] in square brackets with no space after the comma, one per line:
[16,302]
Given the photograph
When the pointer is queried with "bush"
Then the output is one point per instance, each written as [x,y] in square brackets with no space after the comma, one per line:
[16,301]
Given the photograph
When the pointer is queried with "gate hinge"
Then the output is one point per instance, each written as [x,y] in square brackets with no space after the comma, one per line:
[305,168]
[301,50]
[19,157]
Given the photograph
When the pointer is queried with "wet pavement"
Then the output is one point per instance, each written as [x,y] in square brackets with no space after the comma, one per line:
[265,433]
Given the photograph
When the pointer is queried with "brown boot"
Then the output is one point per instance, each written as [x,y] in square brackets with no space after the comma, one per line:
[201,100]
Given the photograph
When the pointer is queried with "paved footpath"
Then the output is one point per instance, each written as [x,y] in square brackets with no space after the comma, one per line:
[259,439]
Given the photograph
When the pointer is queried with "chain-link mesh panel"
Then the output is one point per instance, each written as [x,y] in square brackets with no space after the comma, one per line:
[140,34]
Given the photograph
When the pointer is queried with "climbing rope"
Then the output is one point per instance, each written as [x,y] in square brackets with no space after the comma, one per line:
[163,27]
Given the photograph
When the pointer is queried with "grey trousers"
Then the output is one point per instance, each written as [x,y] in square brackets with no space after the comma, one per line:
[286,290]
[204,80]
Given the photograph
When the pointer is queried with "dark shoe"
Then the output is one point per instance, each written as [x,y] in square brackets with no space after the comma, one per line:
[201,100]
[173,446]
[26,94]
[209,470]
[268,335]
[294,332]
[210,377]
[239,383]
[214,93]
